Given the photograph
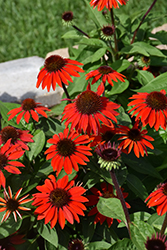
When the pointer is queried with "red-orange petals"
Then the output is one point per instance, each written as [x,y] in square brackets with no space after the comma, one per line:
[8,156]
[107,192]
[151,107]
[158,198]
[29,108]
[59,201]
[57,70]
[68,150]
[88,109]
[107,74]
[9,242]
[17,136]
[12,205]
[135,138]
[107,3]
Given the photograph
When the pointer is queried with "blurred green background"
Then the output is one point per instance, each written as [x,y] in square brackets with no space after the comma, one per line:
[34,27]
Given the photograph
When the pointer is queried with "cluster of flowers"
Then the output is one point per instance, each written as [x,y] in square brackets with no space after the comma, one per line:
[90,122]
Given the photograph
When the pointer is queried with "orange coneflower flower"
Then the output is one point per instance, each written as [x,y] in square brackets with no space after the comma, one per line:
[68,151]
[57,70]
[107,73]
[88,109]
[29,108]
[59,201]
[135,138]
[107,3]
[107,192]
[11,205]
[8,155]
[17,136]
[105,134]
[158,198]
[151,107]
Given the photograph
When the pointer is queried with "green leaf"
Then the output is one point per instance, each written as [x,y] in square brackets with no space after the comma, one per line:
[153,51]
[96,15]
[72,34]
[140,216]
[134,49]
[47,233]
[124,244]
[9,226]
[37,146]
[144,77]
[120,65]
[98,54]
[99,245]
[156,221]
[111,207]
[135,184]
[157,84]
[4,109]
[119,87]
[141,165]
[49,246]
[93,42]
[140,232]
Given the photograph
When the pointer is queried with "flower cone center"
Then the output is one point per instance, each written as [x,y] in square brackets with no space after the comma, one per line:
[67,16]
[7,133]
[12,205]
[165,189]
[105,69]
[157,100]
[59,197]
[107,136]
[107,194]
[54,63]
[109,154]
[66,147]
[108,30]
[88,102]
[28,104]
[76,245]
[145,59]
[134,134]
[155,244]
[3,161]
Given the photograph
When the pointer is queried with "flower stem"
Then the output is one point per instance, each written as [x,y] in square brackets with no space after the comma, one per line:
[115,38]
[164,225]
[134,35]
[66,92]
[120,196]
[75,27]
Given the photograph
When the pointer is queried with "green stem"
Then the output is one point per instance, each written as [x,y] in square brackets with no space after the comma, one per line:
[135,33]
[115,38]
[164,225]
[120,196]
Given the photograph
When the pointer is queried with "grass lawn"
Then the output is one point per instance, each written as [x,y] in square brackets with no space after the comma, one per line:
[34,27]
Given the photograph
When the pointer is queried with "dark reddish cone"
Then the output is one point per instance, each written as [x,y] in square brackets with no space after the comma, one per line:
[157,242]
[76,245]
